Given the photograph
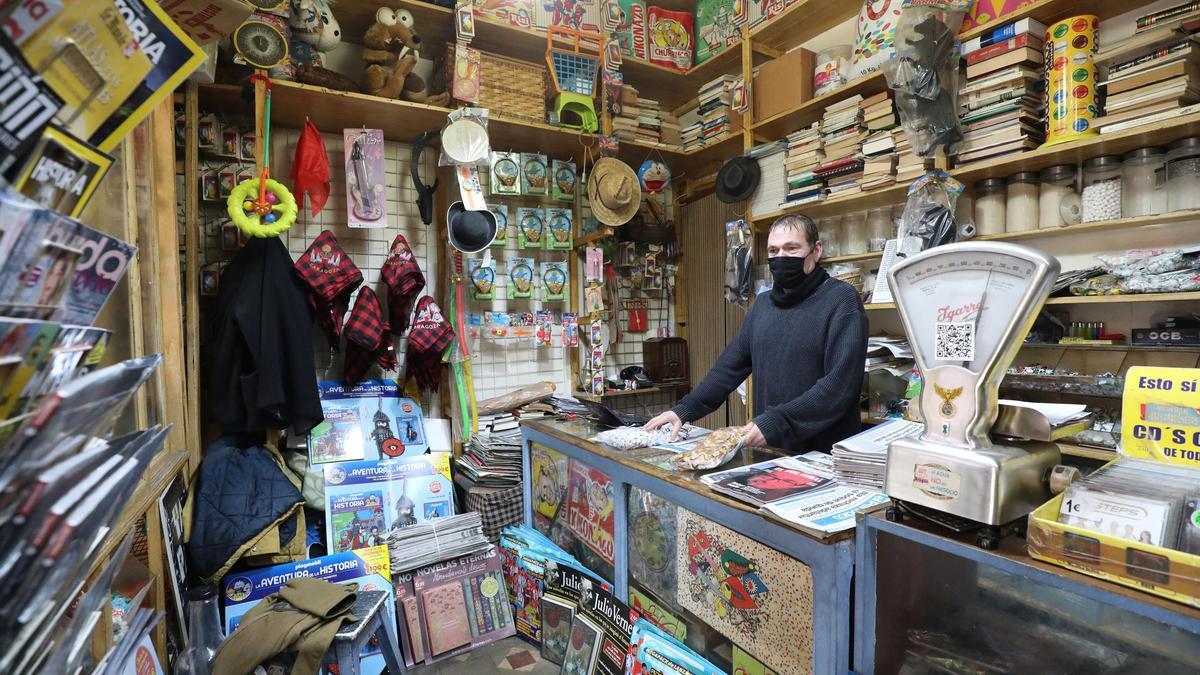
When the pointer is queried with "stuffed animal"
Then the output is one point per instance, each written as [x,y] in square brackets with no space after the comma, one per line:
[390,50]
[315,31]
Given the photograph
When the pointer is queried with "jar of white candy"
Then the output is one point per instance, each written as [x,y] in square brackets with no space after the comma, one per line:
[1101,188]
[1183,174]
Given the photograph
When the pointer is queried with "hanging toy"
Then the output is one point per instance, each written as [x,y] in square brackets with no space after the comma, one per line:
[262,207]
[654,176]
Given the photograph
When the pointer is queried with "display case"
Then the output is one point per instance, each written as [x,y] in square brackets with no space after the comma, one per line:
[929,602]
[745,591]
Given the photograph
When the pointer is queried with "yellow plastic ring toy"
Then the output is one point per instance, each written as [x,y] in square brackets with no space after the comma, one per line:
[276,216]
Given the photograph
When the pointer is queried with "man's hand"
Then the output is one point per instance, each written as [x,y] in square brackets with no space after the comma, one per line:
[664,419]
[754,437]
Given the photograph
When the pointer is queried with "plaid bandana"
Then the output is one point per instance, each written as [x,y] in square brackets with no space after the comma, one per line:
[404,281]
[429,337]
[331,277]
[366,339]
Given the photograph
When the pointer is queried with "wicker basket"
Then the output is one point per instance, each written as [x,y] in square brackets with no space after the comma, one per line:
[510,87]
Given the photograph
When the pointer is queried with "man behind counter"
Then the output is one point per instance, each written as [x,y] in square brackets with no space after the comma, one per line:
[805,347]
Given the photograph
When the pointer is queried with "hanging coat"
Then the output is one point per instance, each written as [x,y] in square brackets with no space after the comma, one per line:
[262,373]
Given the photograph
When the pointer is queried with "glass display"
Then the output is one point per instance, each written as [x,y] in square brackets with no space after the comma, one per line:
[938,613]
[573,506]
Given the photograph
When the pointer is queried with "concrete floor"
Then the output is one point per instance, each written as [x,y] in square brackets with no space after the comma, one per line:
[510,654]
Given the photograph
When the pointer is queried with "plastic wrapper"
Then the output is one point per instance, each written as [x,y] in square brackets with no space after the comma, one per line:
[929,210]
[1147,261]
[714,450]
[1169,282]
[629,438]
[465,139]
[924,73]
[739,262]
[1105,284]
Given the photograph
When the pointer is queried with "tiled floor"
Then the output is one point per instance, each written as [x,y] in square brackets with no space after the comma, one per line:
[508,655]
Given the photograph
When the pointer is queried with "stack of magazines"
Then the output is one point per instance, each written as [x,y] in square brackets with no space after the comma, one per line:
[436,540]
[493,459]
[861,460]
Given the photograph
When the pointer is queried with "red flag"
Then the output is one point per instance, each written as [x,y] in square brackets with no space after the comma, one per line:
[310,169]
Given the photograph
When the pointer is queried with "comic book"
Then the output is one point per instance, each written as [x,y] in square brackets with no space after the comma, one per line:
[364,500]
[600,633]
[367,567]
[368,421]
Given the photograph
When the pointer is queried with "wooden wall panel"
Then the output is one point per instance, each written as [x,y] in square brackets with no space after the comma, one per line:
[711,321]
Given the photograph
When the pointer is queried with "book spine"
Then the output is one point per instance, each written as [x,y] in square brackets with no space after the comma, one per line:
[503,611]
[1001,34]
[484,606]
[1147,21]
[1159,53]
[998,48]
[472,610]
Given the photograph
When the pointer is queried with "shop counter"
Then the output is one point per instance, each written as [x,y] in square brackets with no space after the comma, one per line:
[731,583]
[930,601]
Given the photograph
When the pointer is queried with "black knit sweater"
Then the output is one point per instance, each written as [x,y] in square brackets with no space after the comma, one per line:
[807,362]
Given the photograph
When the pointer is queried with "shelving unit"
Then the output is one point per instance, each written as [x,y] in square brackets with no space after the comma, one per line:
[1047,11]
[1191,296]
[803,115]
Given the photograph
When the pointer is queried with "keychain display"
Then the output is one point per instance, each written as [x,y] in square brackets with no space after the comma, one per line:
[565,180]
[559,222]
[501,213]
[520,277]
[531,225]
[226,181]
[230,142]
[533,174]
[924,74]
[554,280]
[210,190]
[246,146]
[506,173]
[482,273]
[739,262]
[206,132]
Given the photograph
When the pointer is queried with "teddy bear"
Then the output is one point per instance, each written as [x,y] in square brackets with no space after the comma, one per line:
[315,31]
[390,50]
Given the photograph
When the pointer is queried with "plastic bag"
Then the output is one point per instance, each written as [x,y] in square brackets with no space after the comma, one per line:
[739,262]
[929,211]
[1105,284]
[712,451]
[465,138]
[924,73]
[1178,281]
[1138,262]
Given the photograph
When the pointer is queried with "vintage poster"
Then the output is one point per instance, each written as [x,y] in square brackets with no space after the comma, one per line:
[751,593]
[549,468]
[590,509]
[671,38]
[630,31]
[716,28]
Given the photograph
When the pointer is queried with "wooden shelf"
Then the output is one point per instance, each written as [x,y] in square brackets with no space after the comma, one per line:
[158,476]
[801,22]
[292,103]
[862,201]
[1191,296]
[1098,226]
[592,237]
[716,153]
[1111,348]
[1073,450]
[1048,11]
[781,124]
[614,393]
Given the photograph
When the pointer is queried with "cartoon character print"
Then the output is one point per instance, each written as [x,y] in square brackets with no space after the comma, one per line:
[727,580]
[566,13]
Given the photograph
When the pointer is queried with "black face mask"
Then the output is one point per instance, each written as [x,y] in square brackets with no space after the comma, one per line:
[787,271]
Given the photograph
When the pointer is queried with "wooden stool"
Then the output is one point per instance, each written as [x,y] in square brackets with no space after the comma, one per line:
[349,642]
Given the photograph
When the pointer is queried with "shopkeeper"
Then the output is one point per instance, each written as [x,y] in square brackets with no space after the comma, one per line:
[805,347]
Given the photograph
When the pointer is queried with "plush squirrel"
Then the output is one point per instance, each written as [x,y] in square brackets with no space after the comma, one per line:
[315,31]
[390,50]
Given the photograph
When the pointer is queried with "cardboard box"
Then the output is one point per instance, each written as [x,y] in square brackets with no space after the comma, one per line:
[783,84]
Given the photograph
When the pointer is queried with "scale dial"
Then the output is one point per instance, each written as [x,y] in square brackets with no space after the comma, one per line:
[967,308]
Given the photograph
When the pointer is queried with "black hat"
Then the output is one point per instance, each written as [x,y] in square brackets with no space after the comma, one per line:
[737,180]
[470,231]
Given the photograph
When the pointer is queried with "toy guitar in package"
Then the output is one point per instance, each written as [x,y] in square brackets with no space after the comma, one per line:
[554,280]
[564,180]
[365,199]
[533,173]
[367,421]
[506,173]
[531,227]
[365,500]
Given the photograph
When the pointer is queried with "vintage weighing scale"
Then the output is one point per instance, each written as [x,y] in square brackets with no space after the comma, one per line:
[966,309]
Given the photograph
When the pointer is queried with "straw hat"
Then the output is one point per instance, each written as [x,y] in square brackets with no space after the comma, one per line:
[614,192]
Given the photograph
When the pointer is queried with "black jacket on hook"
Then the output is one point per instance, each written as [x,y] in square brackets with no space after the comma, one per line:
[262,372]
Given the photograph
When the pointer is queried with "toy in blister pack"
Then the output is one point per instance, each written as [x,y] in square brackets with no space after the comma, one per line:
[482,273]
[545,327]
[531,226]
[559,222]
[554,280]
[501,213]
[924,74]
[563,171]
[594,267]
[520,277]
[506,173]
[367,205]
[533,173]
[570,334]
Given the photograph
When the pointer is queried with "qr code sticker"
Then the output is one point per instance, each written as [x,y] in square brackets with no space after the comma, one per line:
[955,341]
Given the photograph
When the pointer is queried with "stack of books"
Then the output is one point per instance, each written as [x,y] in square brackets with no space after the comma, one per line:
[640,119]
[692,136]
[771,194]
[842,134]
[715,111]
[670,129]
[649,121]
[1152,75]
[1002,105]
[879,147]
[909,164]
[804,155]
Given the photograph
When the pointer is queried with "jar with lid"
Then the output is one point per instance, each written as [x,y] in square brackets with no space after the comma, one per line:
[880,228]
[831,66]
[1183,174]
[854,233]
[1021,208]
[1058,203]
[1101,197]
[829,231]
[1142,182]
[990,206]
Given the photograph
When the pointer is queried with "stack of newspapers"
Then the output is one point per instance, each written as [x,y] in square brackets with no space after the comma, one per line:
[861,460]
[436,540]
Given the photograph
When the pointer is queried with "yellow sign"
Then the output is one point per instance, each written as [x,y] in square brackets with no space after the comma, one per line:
[1160,415]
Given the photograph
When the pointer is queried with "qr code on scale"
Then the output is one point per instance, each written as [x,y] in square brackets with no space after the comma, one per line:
[955,341]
